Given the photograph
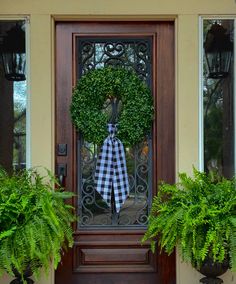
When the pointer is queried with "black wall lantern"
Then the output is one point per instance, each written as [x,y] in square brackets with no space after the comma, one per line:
[218,49]
[13,54]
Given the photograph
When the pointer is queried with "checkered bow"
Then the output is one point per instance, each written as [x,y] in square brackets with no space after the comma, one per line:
[111,171]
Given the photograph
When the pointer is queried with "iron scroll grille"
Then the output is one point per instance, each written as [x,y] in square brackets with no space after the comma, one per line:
[131,53]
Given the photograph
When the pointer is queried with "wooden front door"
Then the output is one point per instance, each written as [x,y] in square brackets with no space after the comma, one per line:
[107,245]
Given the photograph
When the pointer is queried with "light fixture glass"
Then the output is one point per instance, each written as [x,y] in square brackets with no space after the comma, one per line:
[13,54]
[218,50]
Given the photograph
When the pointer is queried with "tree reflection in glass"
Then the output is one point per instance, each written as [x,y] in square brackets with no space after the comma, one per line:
[218,114]
[12,114]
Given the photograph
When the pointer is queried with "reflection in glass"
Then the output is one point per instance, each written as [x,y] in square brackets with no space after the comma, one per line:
[218,101]
[19,144]
[12,113]
[132,54]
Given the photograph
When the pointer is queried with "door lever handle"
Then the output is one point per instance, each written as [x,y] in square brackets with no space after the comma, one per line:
[61,173]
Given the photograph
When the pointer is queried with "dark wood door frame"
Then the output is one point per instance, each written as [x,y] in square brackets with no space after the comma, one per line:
[86,244]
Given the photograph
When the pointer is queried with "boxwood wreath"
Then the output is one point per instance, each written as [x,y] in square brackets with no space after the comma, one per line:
[92,92]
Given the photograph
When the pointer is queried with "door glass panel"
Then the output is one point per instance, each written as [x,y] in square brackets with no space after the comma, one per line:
[135,54]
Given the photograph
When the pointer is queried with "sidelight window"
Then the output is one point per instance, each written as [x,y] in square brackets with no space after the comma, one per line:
[13,94]
[217,96]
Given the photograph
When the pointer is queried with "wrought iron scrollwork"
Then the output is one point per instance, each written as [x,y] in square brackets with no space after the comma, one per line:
[132,54]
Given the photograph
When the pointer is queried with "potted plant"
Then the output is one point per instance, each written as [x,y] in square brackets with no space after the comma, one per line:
[35,223]
[197,215]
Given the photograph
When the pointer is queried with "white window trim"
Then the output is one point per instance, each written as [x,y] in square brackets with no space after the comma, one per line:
[28,96]
[200,103]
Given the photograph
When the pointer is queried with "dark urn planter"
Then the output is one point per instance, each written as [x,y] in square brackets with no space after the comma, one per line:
[212,270]
[26,276]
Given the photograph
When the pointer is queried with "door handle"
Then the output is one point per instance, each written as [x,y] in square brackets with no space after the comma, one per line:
[61,173]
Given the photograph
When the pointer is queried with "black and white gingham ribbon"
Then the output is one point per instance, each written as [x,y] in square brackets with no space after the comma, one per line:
[111,171]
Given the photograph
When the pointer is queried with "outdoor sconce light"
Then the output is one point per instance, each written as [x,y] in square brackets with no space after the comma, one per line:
[13,54]
[218,49]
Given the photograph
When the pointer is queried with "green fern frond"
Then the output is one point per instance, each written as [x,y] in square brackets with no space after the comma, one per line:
[35,222]
[197,214]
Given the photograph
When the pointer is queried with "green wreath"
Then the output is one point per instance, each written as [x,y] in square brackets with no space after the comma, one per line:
[95,89]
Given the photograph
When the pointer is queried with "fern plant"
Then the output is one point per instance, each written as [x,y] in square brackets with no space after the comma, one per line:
[197,215]
[35,222]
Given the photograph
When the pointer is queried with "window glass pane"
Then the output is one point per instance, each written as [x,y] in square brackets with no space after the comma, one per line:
[19,145]
[218,96]
[13,99]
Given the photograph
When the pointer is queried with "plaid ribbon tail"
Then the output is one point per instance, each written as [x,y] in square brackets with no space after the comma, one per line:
[111,171]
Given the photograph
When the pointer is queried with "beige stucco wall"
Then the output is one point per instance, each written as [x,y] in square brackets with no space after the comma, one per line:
[41,72]
[122,7]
